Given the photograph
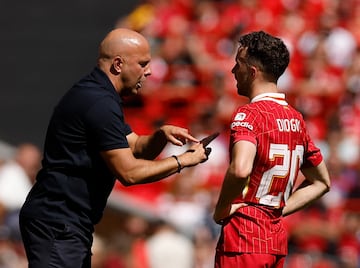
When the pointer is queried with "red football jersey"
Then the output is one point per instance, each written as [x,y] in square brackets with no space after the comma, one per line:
[283,146]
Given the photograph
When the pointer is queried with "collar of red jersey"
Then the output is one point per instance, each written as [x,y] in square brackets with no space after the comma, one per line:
[276,97]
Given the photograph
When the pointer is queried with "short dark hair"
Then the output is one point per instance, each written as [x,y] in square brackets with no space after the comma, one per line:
[267,52]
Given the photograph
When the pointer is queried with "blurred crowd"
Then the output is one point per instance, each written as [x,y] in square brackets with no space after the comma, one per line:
[18,168]
[193,49]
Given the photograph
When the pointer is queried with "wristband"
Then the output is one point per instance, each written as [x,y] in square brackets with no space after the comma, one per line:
[178,162]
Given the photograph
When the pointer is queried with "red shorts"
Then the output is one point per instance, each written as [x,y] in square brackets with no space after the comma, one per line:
[253,260]
[254,229]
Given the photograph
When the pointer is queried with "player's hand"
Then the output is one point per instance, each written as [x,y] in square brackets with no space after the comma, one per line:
[235,207]
[177,135]
[221,214]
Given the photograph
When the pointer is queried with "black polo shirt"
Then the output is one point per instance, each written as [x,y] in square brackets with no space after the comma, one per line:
[74,183]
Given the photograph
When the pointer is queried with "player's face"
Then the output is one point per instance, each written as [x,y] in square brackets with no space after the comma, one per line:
[135,69]
[241,71]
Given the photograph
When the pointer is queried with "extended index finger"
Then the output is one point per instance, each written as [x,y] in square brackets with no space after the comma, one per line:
[185,135]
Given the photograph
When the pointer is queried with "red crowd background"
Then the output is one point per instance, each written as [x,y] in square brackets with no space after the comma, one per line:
[193,50]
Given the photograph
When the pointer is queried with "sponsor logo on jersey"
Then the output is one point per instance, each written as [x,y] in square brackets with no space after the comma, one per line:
[241,124]
[288,125]
[239,117]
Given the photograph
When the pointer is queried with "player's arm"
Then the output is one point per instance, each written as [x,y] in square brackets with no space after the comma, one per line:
[317,183]
[150,146]
[131,170]
[243,155]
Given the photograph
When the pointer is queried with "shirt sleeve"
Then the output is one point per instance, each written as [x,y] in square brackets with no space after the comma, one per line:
[312,156]
[105,120]
[243,124]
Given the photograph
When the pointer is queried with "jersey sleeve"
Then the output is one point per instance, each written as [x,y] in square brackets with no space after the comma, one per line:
[107,126]
[243,126]
[312,156]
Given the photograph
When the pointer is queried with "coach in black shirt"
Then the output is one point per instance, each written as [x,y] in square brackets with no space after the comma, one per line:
[88,146]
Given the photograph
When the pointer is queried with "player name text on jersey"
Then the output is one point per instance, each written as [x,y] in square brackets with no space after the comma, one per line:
[287,125]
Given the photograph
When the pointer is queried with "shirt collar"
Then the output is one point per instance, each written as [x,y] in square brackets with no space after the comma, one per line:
[105,82]
[276,97]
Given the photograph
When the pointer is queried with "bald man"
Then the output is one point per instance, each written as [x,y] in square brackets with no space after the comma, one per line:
[88,146]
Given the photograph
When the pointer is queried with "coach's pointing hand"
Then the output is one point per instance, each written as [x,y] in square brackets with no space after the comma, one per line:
[177,135]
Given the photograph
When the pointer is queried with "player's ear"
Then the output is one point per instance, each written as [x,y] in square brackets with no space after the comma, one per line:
[253,71]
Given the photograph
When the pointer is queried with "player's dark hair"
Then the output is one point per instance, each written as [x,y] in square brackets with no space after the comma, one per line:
[267,52]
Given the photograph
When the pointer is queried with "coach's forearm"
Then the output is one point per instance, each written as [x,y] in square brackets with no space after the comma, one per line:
[131,170]
[147,171]
[150,146]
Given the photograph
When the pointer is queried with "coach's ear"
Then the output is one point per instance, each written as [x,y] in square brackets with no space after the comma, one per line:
[116,65]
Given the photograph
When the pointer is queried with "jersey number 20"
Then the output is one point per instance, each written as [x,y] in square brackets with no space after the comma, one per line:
[289,168]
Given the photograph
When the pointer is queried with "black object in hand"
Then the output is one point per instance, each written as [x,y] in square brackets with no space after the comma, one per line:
[206,141]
